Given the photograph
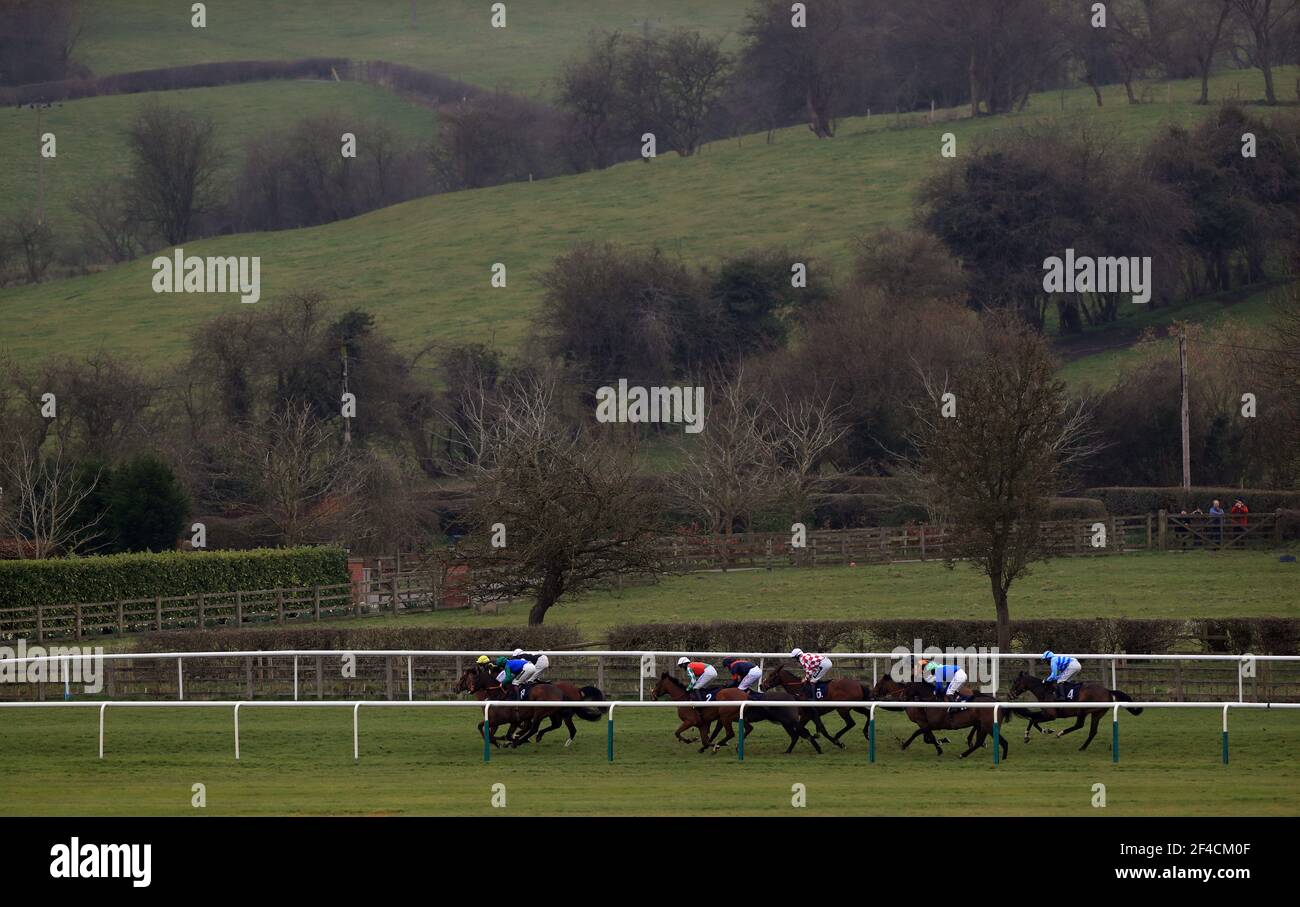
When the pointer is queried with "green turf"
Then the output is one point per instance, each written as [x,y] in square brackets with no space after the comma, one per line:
[92,148]
[1196,584]
[453,37]
[424,267]
[416,762]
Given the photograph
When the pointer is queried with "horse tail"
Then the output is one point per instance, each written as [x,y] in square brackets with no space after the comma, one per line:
[1121,696]
[590,714]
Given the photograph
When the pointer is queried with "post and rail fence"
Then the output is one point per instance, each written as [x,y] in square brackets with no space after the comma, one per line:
[434,581]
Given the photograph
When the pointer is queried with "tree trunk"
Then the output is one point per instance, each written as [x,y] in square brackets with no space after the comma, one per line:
[1004,615]
[547,595]
[1205,86]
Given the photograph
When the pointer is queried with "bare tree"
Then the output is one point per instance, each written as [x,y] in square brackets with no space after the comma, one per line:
[731,468]
[1271,23]
[175,162]
[292,471]
[806,428]
[1199,32]
[989,470]
[107,224]
[41,499]
[574,512]
[33,240]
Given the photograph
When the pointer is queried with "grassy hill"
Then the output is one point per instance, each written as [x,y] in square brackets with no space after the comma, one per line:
[92,149]
[423,267]
[453,37]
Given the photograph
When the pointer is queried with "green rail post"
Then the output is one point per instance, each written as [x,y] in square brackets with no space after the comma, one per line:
[487,734]
[997,738]
[609,737]
[871,735]
[1225,735]
[740,742]
[1114,737]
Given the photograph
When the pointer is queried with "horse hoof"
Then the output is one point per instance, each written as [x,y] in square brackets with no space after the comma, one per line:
[568,743]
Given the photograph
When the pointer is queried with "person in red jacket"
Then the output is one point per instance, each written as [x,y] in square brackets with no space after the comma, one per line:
[1239,511]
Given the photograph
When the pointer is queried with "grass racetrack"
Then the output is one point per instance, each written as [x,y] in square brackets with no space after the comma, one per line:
[417,762]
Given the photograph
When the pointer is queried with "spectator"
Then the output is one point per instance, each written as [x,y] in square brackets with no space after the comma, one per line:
[1240,510]
[1216,518]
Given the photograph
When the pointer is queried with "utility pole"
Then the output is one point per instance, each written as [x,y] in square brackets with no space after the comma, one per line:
[347,420]
[1182,369]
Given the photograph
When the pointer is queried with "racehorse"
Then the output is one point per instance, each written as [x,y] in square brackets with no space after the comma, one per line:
[726,717]
[572,693]
[791,719]
[841,689]
[482,683]
[944,717]
[1088,692]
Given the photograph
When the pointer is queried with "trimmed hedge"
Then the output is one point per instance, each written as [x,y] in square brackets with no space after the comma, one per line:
[59,581]
[555,637]
[1126,501]
[1261,636]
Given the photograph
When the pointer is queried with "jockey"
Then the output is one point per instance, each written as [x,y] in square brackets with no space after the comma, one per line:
[1063,668]
[510,669]
[534,665]
[698,673]
[815,669]
[744,673]
[947,679]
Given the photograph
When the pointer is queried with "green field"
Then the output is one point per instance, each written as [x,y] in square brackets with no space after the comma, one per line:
[818,196]
[452,37]
[415,762]
[1198,584]
[92,148]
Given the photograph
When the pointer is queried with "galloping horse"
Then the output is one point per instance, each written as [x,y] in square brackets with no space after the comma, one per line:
[1045,692]
[700,718]
[843,689]
[943,717]
[482,683]
[726,716]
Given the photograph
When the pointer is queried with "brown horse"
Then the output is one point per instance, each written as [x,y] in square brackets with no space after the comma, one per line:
[843,689]
[1046,692]
[792,720]
[944,716]
[481,681]
[700,718]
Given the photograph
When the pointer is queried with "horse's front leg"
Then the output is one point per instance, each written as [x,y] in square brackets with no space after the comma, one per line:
[1092,731]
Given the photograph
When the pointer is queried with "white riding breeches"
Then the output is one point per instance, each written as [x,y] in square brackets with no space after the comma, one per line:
[710,674]
[753,677]
[822,670]
[527,674]
[954,685]
[1069,672]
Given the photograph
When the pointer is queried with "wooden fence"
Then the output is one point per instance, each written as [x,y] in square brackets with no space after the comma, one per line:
[423,583]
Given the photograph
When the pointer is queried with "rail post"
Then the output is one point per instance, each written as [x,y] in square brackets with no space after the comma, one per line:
[1114,682]
[180,680]
[871,734]
[740,742]
[609,734]
[1241,679]
[237,705]
[102,707]
[487,732]
[997,737]
[1226,706]
[67,679]
[1114,736]
[410,678]
[295,681]
[356,732]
